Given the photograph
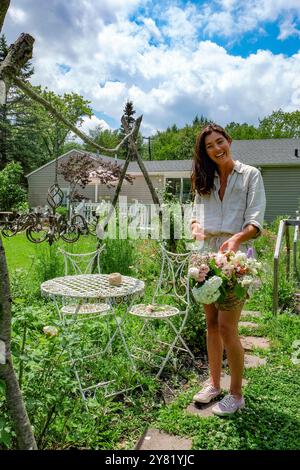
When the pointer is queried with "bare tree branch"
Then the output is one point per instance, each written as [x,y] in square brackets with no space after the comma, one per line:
[35,96]
[4,4]
[134,152]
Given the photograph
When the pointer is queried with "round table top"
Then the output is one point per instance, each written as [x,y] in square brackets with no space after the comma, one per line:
[91,286]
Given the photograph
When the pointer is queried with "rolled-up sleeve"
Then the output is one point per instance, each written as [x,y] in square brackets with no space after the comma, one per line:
[256,202]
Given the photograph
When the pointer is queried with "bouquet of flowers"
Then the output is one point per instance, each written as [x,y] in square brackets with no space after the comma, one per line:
[217,274]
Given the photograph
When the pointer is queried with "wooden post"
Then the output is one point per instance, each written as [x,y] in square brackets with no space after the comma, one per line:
[288,251]
[276,265]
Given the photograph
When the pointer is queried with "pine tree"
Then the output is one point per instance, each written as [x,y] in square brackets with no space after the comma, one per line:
[129,112]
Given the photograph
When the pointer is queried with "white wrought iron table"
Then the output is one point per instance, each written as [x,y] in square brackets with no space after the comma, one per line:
[97,287]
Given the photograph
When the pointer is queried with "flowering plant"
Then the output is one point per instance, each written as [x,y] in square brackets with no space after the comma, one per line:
[218,273]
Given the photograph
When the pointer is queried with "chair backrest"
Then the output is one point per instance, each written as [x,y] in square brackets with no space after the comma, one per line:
[173,280]
[82,263]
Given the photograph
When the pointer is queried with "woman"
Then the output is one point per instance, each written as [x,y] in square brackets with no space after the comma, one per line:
[231,199]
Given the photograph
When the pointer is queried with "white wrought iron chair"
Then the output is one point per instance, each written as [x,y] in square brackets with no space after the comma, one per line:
[84,343]
[83,263]
[170,304]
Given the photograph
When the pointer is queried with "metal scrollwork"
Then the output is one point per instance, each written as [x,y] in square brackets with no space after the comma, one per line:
[48,226]
[55,196]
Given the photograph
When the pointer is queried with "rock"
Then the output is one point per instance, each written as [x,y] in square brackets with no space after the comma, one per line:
[251,342]
[254,361]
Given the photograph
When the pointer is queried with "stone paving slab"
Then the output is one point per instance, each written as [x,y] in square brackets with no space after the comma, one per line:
[254,361]
[154,439]
[251,342]
[205,410]
[251,313]
[248,324]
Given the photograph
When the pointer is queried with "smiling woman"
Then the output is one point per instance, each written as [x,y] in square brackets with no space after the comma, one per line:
[233,201]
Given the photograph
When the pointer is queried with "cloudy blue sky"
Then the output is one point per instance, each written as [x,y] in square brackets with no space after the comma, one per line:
[230,60]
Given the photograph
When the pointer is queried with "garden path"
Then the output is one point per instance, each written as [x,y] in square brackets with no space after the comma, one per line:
[154,439]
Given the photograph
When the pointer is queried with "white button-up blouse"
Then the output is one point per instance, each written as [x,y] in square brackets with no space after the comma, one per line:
[243,203]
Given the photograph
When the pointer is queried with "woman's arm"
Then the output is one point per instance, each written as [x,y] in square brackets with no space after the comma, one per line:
[196,228]
[233,243]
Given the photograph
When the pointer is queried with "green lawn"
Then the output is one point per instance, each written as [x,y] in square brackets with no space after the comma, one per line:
[21,253]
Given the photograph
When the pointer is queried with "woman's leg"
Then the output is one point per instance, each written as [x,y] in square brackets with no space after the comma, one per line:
[214,344]
[228,327]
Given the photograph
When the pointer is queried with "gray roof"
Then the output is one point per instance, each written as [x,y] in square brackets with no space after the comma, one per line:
[264,152]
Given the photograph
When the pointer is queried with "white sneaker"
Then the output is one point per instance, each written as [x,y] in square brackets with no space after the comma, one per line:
[228,405]
[207,394]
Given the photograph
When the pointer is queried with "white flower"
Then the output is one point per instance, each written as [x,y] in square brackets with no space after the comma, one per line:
[246,281]
[50,330]
[203,296]
[194,273]
[209,291]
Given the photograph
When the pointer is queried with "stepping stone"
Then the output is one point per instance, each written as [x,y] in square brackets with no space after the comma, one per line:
[248,324]
[251,342]
[254,361]
[251,313]
[154,439]
[204,410]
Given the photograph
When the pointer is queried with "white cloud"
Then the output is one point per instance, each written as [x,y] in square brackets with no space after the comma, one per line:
[17,15]
[233,17]
[171,79]
[152,28]
[91,124]
[288,28]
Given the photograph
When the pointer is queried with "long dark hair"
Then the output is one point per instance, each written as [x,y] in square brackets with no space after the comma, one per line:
[204,168]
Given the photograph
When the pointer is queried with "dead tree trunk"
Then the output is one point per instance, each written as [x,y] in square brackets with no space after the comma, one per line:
[4,5]
[14,398]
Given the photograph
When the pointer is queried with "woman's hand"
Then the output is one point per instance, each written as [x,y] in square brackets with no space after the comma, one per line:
[232,244]
[198,232]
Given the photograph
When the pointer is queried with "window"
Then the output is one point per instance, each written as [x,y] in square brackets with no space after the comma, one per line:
[186,190]
[180,188]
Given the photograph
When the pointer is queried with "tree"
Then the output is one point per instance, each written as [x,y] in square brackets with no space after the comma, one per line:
[175,143]
[51,131]
[79,170]
[280,125]
[11,192]
[242,131]
[128,113]
[104,137]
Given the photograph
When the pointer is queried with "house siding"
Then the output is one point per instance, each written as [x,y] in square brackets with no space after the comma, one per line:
[282,183]
[136,191]
[282,186]
[40,181]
